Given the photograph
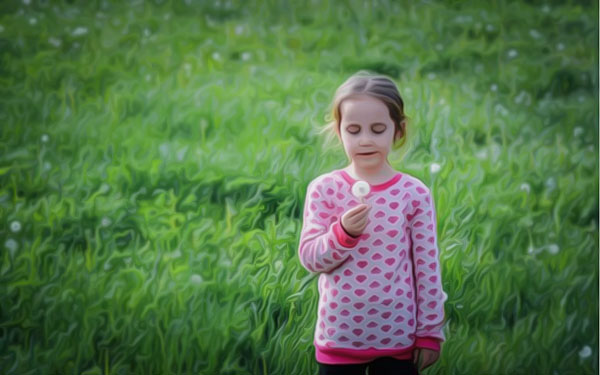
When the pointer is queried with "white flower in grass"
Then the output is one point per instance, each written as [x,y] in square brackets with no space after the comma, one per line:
[360,189]
[434,168]
[15,226]
[553,248]
[512,53]
[525,187]
[106,221]
[535,34]
[494,87]
[11,245]
[577,131]
[530,249]
[216,56]
[246,56]
[54,41]
[482,154]
[560,46]
[32,21]
[80,30]
[585,352]
[196,279]
[45,138]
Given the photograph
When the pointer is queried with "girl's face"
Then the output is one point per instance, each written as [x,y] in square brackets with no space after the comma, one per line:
[366,130]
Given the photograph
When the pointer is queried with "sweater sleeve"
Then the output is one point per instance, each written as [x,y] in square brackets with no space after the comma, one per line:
[430,295]
[324,245]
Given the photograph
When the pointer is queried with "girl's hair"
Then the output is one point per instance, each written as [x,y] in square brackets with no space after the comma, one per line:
[374,85]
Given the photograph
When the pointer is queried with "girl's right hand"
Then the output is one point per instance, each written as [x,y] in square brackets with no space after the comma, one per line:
[354,221]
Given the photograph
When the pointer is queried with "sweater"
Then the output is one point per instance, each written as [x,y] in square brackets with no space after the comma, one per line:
[380,294]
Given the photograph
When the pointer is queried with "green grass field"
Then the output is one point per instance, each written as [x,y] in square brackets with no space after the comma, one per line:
[154,158]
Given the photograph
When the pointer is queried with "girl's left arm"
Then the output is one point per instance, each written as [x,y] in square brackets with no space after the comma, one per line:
[430,295]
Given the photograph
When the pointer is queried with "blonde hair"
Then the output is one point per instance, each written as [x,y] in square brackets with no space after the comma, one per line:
[374,85]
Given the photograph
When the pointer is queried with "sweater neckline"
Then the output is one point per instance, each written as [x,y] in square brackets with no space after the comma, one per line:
[378,187]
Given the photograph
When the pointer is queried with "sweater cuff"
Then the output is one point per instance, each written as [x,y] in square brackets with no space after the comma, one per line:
[428,343]
[344,238]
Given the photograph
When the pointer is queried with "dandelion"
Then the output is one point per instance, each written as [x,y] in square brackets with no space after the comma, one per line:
[560,46]
[578,131]
[585,352]
[535,34]
[530,249]
[553,248]
[15,226]
[434,168]
[481,154]
[360,189]
[79,31]
[54,41]
[11,245]
[512,53]
[525,187]
[196,279]
[216,56]
[32,21]
[494,87]
[45,138]
[106,221]
[246,56]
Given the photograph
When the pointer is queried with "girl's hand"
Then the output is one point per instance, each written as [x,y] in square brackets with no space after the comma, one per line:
[354,221]
[426,357]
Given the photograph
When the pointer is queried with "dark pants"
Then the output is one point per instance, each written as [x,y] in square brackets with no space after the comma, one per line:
[380,366]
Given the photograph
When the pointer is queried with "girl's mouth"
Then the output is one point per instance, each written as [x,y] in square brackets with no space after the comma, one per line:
[367,153]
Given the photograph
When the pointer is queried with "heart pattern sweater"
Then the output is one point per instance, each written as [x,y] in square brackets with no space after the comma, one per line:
[380,294]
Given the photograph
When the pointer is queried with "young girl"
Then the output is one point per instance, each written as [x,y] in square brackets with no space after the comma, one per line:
[381,302]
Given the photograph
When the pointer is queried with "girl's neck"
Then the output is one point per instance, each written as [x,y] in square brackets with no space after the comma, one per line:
[373,176]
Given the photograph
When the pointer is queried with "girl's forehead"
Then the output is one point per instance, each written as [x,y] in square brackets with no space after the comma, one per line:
[364,107]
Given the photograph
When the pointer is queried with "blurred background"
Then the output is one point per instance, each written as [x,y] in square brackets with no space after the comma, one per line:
[154,157]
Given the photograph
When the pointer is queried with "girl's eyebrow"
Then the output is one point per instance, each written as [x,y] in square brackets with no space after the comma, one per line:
[375,123]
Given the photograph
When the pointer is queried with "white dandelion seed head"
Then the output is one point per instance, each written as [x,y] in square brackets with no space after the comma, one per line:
[32,21]
[106,221]
[246,56]
[585,352]
[434,168]
[494,87]
[525,187]
[11,245]
[216,56]
[79,30]
[15,226]
[535,34]
[553,248]
[196,279]
[530,249]
[360,189]
[512,53]
[560,46]
[45,138]
[578,131]
[482,154]
[54,41]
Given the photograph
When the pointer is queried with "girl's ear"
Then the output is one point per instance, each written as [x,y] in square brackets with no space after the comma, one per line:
[400,130]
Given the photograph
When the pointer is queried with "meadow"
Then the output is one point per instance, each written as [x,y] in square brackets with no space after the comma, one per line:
[155,155]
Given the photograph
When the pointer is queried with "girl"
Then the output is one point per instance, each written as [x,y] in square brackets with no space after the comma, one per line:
[381,302]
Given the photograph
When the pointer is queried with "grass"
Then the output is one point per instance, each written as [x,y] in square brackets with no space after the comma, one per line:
[154,158]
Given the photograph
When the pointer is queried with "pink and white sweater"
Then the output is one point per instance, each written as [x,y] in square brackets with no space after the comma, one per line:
[380,293]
